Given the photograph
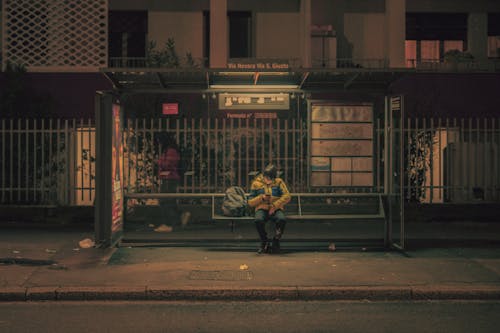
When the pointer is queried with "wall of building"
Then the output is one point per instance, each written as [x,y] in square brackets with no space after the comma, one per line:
[275,40]
[337,13]
[186,28]
[56,35]
[200,5]
[365,35]
[175,6]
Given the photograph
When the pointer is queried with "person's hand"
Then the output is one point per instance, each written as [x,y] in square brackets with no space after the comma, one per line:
[272,210]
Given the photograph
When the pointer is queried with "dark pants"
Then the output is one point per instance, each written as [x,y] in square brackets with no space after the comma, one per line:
[169,208]
[262,216]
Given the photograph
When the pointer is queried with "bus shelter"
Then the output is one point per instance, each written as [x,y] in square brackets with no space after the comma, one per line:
[335,136]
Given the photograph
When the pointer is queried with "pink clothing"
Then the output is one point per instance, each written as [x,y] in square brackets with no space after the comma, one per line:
[168,164]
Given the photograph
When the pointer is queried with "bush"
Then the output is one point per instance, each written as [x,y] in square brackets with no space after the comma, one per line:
[455,56]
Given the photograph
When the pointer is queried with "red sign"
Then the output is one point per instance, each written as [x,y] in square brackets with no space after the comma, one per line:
[170,108]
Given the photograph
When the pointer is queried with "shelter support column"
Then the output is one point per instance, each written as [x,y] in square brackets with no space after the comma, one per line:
[477,35]
[395,16]
[218,34]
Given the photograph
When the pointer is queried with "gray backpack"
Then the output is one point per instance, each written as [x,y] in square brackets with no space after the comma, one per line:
[235,202]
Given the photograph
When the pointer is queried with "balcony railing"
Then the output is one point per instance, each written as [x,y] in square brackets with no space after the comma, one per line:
[490,65]
[127,62]
[142,62]
[372,63]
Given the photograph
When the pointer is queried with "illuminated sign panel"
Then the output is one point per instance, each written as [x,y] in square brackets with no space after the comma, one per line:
[254,102]
[170,109]
[251,64]
[341,145]
[117,171]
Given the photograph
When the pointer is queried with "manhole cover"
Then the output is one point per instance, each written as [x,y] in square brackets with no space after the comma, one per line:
[221,275]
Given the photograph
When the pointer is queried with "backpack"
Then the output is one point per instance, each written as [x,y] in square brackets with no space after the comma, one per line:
[235,202]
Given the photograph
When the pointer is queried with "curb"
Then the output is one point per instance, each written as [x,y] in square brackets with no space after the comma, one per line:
[17,294]
[456,292]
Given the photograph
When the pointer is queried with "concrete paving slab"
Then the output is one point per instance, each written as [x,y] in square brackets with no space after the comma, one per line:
[236,273]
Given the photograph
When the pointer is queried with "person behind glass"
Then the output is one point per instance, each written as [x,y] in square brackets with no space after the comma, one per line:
[170,176]
[269,195]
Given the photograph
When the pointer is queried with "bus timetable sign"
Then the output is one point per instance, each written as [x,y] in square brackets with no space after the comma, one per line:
[254,101]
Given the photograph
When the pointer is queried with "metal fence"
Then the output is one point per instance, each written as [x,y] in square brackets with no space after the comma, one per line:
[216,153]
[47,162]
[452,160]
[51,162]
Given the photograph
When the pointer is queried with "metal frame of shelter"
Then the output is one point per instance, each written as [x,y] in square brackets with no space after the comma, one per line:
[110,196]
[167,80]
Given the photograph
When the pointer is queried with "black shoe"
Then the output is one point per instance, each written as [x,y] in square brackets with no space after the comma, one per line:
[264,248]
[276,246]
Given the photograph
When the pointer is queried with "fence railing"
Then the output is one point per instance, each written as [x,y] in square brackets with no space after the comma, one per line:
[47,161]
[452,160]
[215,153]
[52,162]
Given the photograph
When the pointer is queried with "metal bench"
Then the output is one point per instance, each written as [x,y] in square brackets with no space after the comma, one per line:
[300,214]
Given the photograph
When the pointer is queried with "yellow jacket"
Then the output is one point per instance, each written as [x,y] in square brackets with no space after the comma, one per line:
[280,195]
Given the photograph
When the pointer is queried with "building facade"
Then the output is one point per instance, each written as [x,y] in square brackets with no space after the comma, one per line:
[85,36]
[298,61]
[70,41]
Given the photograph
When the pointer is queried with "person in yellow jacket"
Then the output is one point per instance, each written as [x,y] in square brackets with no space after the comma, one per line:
[269,195]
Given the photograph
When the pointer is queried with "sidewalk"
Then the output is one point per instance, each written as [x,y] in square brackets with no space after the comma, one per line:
[50,265]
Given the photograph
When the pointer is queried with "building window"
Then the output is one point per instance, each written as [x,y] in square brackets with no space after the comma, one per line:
[429,51]
[449,45]
[206,37]
[430,35]
[493,46]
[494,35]
[127,36]
[240,34]
[411,53]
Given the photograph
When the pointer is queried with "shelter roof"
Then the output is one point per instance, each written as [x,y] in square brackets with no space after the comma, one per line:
[223,80]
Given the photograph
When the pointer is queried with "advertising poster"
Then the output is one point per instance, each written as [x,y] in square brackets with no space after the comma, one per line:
[116,172]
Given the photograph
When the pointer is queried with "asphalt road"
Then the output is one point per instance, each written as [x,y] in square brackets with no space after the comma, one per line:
[276,316]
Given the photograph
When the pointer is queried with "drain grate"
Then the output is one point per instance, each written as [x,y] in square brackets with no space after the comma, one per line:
[221,275]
